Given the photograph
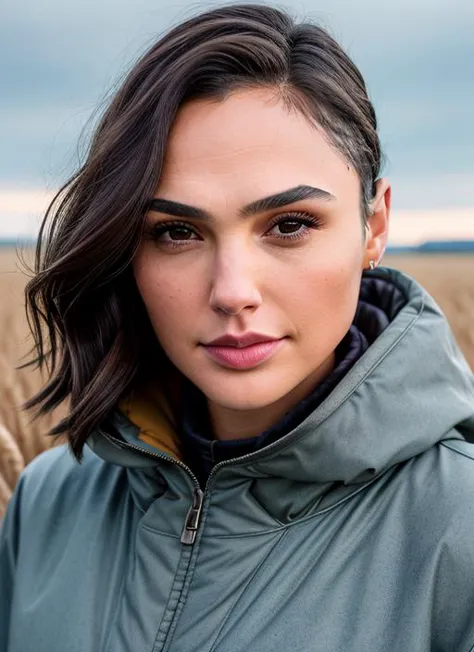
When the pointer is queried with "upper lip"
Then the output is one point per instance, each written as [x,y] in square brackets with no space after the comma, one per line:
[239,341]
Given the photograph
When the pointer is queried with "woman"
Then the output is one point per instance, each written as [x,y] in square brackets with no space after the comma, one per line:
[273,434]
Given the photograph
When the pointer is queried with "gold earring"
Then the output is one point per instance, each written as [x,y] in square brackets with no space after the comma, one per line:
[372,265]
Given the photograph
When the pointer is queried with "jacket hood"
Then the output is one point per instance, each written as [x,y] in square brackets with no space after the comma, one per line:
[411,389]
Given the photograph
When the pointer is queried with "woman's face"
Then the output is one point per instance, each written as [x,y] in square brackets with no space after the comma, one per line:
[216,263]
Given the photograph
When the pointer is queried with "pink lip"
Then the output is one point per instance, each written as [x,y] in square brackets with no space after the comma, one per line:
[246,339]
[243,357]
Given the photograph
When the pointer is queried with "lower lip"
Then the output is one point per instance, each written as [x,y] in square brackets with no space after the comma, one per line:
[245,357]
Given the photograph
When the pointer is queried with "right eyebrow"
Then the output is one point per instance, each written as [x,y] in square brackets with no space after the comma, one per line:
[281,199]
[177,209]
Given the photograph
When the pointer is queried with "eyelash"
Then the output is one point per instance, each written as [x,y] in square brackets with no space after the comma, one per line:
[307,220]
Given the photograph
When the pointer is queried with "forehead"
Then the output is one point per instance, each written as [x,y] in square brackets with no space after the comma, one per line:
[251,139]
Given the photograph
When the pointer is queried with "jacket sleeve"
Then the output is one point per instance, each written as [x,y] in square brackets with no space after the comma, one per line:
[9,543]
[453,612]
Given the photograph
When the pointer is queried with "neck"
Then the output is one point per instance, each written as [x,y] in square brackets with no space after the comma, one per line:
[228,424]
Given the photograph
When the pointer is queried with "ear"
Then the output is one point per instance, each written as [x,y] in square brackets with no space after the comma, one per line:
[376,230]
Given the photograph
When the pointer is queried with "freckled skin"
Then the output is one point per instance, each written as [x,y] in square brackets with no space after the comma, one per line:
[221,156]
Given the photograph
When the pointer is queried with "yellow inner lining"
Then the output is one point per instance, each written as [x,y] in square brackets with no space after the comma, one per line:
[150,409]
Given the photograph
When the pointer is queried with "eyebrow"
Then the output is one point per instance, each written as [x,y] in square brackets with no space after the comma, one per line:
[281,199]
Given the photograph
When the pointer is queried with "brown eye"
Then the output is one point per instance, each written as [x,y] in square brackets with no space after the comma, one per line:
[171,233]
[294,226]
[179,233]
[289,226]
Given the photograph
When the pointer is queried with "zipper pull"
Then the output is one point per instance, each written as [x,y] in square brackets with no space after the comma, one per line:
[192,519]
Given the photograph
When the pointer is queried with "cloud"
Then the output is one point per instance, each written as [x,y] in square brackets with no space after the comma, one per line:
[446,191]
[416,58]
[415,227]
[21,211]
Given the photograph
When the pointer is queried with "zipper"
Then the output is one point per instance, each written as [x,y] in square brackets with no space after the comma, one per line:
[193,517]
[188,535]
[191,523]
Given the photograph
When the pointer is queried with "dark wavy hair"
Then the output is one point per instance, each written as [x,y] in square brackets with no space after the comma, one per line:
[90,328]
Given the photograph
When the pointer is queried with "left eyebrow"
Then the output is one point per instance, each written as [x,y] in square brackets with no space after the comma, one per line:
[281,199]
[290,196]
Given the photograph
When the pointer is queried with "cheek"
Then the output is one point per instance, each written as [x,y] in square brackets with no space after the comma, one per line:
[323,293]
[169,299]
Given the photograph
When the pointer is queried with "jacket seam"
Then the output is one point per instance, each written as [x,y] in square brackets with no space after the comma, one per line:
[116,613]
[169,613]
[349,496]
[247,535]
[463,454]
[164,534]
[244,589]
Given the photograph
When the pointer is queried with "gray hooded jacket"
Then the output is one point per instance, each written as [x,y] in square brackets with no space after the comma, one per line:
[354,532]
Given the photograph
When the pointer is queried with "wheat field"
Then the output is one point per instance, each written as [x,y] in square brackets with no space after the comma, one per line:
[449,278]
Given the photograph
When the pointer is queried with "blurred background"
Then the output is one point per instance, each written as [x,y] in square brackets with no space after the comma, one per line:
[60,62]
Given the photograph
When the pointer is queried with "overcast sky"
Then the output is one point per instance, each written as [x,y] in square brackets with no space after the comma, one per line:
[59,59]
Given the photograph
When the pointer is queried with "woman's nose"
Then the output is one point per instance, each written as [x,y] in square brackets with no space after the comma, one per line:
[234,285]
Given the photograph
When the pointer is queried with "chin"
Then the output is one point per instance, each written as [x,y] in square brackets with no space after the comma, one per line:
[243,394]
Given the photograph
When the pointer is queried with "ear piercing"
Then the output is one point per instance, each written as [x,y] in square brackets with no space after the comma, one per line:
[372,265]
